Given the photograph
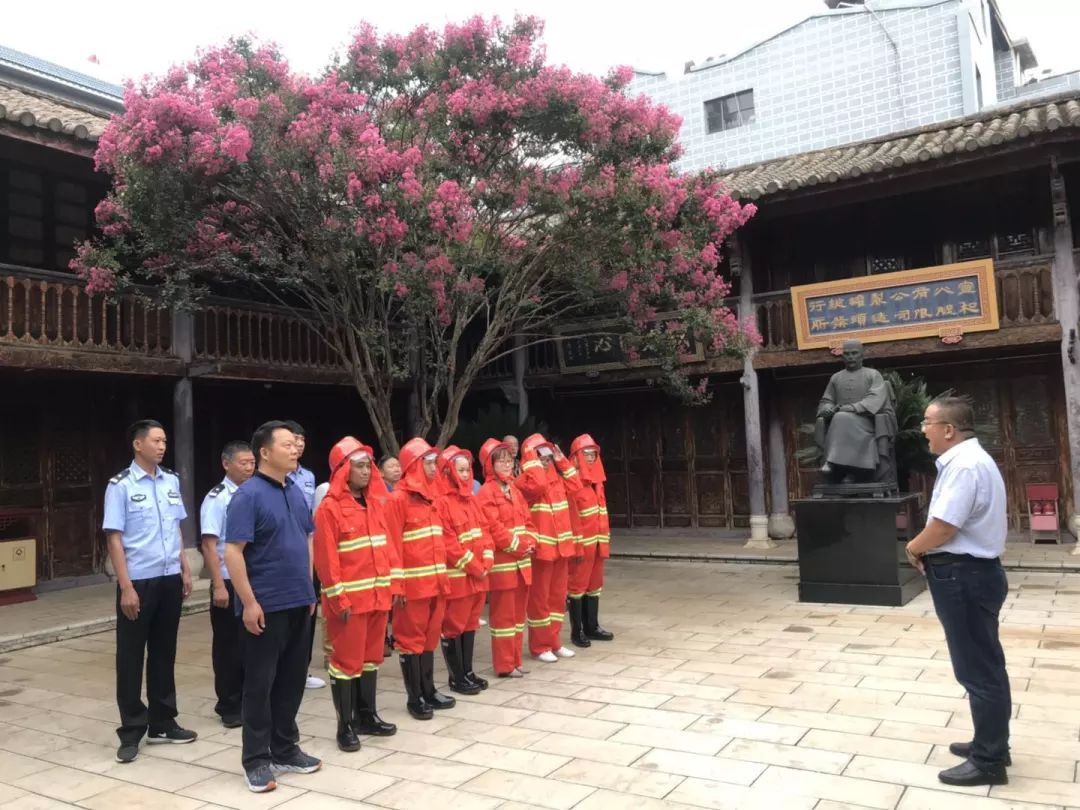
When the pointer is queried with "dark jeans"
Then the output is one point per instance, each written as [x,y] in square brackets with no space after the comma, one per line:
[275,668]
[968,596]
[227,656]
[153,635]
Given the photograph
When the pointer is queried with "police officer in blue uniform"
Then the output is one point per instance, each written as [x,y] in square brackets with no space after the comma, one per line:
[239,464]
[143,510]
[304,480]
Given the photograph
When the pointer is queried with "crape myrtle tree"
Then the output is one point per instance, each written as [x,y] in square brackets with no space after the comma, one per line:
[427,191]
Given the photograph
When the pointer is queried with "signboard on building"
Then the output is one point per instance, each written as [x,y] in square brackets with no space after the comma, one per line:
[601,346]
[945,302]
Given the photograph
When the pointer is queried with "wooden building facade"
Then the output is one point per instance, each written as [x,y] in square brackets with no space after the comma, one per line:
[76,369]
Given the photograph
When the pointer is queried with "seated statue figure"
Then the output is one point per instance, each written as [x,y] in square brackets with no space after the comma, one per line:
[856,424]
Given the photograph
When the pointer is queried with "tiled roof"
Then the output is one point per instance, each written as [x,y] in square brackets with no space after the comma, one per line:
[982,131]
[26,63]
[33,110]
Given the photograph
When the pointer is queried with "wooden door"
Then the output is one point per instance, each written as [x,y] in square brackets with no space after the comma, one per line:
[641,428]
[675,467]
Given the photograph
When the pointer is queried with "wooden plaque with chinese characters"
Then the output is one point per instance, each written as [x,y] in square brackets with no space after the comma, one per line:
[931,302]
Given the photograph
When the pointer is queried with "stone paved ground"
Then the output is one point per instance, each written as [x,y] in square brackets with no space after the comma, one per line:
[720,691]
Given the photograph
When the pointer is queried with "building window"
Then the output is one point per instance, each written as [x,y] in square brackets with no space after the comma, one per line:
[728,112]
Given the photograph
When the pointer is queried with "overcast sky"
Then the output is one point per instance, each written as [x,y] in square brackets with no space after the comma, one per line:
[132,38]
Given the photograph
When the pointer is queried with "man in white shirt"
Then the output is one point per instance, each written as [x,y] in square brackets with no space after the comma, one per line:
[239,464]
[959,551]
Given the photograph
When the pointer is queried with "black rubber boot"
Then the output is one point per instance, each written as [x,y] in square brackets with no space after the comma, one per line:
[366,718]
[468,643]
[432,696]
[593,629]
[342,690]
[414,687]
[577,625]
[451,648]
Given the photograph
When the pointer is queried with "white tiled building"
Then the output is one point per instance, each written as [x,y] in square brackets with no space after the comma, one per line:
[856,70]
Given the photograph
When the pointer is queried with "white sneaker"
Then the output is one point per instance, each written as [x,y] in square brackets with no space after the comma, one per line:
[564,652]
[317,683]
[547,657]
[483,623]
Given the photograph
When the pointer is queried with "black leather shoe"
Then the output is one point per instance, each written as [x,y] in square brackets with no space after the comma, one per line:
[964,750]
[966,774]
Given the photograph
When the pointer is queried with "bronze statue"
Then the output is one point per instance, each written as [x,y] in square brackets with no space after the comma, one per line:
[856,424]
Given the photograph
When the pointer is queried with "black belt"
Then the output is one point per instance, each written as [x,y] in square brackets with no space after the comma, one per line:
[942,557]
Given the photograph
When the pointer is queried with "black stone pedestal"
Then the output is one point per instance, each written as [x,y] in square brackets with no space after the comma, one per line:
[849,552]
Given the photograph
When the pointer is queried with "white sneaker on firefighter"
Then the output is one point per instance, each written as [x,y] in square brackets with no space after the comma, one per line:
[314,683]
[548,657]
[564,652]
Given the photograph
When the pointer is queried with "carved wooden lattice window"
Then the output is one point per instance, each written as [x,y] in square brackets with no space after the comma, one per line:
[885,264]
[70,461]
[978,248]
[19,458]
[1014,242]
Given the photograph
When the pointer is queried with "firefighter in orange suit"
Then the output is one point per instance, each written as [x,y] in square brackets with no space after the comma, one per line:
[469,557]
[413,522]
[547,478]
[588,507]
[354,562]
[514,536]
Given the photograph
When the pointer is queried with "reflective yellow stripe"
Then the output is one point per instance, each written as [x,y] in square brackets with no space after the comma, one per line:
[605,538]
[503,632]
[590,541]
[557,617]
[554,541]
[371,667]
[365,584]
[334,590]
[544,622]
[569,472]
[424,571]
[592,510]
[597,592]
[466,558]
[420,534]
[396,573]
[603,511]
[489,554]
[337,674]
[528,465]
[561,506]
[362,542]
[471,534]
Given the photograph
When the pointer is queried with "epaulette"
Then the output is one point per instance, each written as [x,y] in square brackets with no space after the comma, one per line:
[216,491]
[167,471]
[120,476]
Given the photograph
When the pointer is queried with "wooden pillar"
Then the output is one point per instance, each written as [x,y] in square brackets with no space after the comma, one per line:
[1067,309]
[183,438]
[781,524]
[755,462]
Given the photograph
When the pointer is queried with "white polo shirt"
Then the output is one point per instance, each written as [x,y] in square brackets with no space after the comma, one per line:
[970,494]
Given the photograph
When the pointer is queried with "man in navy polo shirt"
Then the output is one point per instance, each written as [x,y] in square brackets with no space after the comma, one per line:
[268,554]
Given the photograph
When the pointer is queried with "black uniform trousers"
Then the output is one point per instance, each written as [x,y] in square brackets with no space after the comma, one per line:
[227,656]
[275,669]
[151,635]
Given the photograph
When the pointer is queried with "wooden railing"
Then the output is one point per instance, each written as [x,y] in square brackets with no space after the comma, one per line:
[45,309]
[231,333]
